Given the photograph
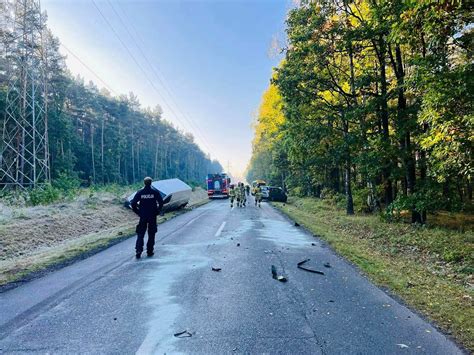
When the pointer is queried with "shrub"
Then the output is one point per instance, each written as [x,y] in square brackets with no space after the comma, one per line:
[68,185]
[43,195]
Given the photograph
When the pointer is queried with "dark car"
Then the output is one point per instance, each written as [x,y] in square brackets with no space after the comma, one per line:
[276,194]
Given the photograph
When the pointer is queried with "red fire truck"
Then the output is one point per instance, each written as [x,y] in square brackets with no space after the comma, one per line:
[218,185]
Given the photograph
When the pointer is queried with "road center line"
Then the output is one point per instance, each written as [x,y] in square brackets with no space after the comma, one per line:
[219,231]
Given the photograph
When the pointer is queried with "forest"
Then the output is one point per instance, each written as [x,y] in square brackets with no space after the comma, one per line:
[372,103]
[92,136]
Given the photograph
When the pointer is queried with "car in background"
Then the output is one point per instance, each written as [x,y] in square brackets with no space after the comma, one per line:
[276,194]
[265,192]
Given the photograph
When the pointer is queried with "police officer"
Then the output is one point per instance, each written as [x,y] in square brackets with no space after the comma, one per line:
[147,203]
[231,195]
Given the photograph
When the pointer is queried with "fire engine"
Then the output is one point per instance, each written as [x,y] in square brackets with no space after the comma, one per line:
[218,185]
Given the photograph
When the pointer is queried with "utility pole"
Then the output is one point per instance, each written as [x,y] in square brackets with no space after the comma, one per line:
[24,153]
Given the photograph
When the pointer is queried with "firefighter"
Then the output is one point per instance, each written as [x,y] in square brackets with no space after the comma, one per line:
[238,195]
[231,195]
[242,194]
[258,195]
[147,203]
[247,189]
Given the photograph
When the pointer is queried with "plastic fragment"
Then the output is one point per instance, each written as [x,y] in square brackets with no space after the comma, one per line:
[300,266]
[183,334]
[403,346]
[275,275]
[327,265]
[217,269]
[297,224]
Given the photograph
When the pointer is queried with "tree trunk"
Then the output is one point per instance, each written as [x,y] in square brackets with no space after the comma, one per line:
[386,171]
[102,151]
[92,153]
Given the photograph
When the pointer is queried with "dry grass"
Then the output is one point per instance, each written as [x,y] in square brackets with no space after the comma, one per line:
[431,269]
[35,238]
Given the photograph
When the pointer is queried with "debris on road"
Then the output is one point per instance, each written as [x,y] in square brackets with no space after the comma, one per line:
[313,244]
[217,269]
[403,346]
[297,224]
[238,244]
[327,265]
[275,275]
[300,266]
[183,334]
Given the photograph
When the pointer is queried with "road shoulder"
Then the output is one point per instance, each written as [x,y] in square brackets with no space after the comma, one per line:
[438,299]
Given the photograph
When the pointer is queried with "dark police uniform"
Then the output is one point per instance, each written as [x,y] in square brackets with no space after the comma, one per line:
[147,203]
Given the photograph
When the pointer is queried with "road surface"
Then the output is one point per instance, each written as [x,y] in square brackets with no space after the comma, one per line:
[112,303]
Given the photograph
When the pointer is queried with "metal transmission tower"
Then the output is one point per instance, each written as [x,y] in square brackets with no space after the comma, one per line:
[24,154]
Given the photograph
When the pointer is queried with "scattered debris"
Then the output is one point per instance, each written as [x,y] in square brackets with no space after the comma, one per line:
[332,301]
[217,269]
[238,244]
[183,334]
[327,265]
[403,346]
[115,318]
[275,275]
[300,266]
[297,224]
[313,244]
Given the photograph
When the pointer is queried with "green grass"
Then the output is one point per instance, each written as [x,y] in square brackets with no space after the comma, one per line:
[430,268]
[28,267]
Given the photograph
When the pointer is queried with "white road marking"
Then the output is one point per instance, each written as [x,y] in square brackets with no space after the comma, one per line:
[219,231]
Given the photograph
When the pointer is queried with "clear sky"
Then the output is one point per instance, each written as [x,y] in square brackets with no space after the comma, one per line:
[206,63]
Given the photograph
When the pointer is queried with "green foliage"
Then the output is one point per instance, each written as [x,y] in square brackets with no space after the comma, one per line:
[43,195]
[101,139]
[67,185]
[373,99]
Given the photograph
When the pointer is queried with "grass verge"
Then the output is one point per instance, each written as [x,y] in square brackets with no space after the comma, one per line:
[428,268]
[48,259]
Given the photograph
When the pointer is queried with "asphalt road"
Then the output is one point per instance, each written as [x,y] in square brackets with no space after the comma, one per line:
[112,303]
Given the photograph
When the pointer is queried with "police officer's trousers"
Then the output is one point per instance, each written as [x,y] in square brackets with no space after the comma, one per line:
[144,224]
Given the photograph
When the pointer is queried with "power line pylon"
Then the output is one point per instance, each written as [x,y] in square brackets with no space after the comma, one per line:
[24,154]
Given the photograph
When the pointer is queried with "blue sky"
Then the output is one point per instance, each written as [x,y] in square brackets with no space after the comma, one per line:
[209,60]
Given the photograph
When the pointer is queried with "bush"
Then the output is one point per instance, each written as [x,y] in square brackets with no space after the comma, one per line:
[68,185]
[424,200]
[334,198]
[359,197]
[297,191]
[43,195]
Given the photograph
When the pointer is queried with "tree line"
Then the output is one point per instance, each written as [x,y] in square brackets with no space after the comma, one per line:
[373,100]
[92,135]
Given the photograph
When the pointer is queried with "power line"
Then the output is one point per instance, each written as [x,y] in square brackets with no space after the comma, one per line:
[158,74]
[88,68]
[134,59]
